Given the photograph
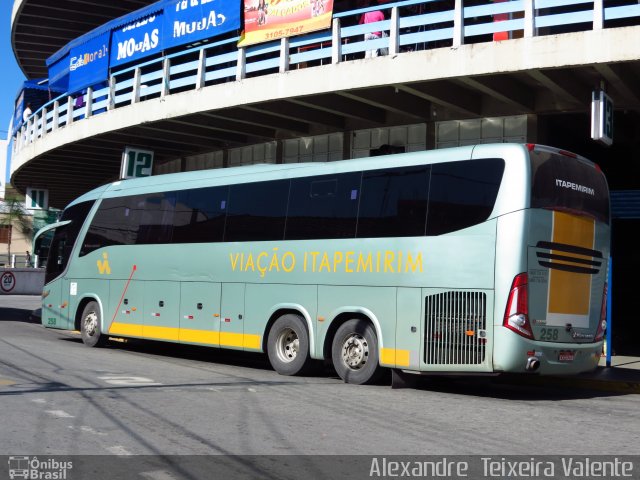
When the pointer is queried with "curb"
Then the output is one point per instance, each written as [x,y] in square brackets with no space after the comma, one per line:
[618,385]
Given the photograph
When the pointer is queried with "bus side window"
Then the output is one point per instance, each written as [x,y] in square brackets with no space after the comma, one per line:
[394,202]
[257,211]
[462,194]
[325,206]
[200,215]
[155,218]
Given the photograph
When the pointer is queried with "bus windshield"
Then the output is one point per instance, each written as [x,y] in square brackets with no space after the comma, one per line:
[562,183]
[64,239]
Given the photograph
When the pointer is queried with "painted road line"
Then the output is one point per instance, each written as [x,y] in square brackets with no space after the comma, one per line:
[119,450]
[59,414]
[87,429]
[158,475]
[128,381]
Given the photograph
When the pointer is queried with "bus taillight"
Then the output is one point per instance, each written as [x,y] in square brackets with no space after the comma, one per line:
[516,315]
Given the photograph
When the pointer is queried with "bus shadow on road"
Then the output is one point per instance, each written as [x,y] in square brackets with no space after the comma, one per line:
[18,315]
[510,387]
[208,355]
[514,387]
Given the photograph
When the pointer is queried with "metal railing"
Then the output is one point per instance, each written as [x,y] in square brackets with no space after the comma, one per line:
[17,261]
[412,25]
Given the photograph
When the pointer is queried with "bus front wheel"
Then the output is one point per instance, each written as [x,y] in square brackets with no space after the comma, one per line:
[354,352]
[90,326]
[288,345]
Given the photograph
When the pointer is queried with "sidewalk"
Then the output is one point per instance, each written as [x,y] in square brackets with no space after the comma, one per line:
[623,377]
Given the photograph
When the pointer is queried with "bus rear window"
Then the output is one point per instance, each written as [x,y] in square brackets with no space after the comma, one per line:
[565,183]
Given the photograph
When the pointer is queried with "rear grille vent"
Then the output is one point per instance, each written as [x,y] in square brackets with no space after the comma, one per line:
[569,258]
[455,328]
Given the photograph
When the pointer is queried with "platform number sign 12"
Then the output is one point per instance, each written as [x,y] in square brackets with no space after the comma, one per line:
[136,163]
[601,117]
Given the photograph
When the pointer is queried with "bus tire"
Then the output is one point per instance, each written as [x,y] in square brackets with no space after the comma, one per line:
[288,345]
[90,326]
[354,352]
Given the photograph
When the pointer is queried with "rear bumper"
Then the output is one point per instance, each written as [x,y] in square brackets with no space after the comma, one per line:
[511,353]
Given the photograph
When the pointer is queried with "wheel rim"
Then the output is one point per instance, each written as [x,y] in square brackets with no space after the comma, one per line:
[287,345]
[355,351]
[91,323]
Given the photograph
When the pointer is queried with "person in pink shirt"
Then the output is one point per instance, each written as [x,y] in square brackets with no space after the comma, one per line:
[372,17]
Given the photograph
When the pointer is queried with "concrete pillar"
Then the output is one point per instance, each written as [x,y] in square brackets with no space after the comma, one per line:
[89,105]
[394,32]
[284,55]
[458,24]
[336,42]
[598,14]
[69,110]
[55,121]
[241,69]
[529,18]
[202,69]
[166,77]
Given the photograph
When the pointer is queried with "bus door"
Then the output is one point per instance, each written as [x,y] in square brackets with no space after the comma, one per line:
[232,316]
[200,313]
[57,310]
[55,303]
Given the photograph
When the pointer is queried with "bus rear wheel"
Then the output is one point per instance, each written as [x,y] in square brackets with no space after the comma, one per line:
[288,345]
[354,352]
[90,326]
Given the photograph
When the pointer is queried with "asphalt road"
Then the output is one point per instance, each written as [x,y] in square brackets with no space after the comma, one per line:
[58,397]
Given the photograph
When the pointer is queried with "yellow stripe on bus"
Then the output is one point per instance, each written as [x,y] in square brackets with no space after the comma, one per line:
[200,336]
[570,293]
[394,357]
[125,329]
[204,337]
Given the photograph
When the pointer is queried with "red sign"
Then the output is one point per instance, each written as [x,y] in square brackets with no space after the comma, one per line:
[266,20]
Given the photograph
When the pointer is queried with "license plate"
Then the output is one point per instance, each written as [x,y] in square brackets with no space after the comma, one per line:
[566,356]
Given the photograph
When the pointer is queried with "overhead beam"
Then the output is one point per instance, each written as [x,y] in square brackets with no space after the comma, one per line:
[446,94]
[204,119]
[623,80]
[563,85]
[262,119]
[504,89]
[301,113]
[393,100]
[343,106]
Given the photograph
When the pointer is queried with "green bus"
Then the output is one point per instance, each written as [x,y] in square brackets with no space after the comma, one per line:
[479,259]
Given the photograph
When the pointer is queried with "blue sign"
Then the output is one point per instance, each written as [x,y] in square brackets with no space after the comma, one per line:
[137,40]
[187,21]
[89,63]
[59,74]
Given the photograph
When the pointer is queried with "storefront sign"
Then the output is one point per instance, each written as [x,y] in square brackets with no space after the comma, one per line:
[89,63]
[266,20]
[187,21]
[137,40]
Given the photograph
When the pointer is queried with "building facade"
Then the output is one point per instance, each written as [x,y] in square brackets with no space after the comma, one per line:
[440,73]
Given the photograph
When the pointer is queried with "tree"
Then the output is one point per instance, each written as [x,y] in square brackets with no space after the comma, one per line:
[14,215]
